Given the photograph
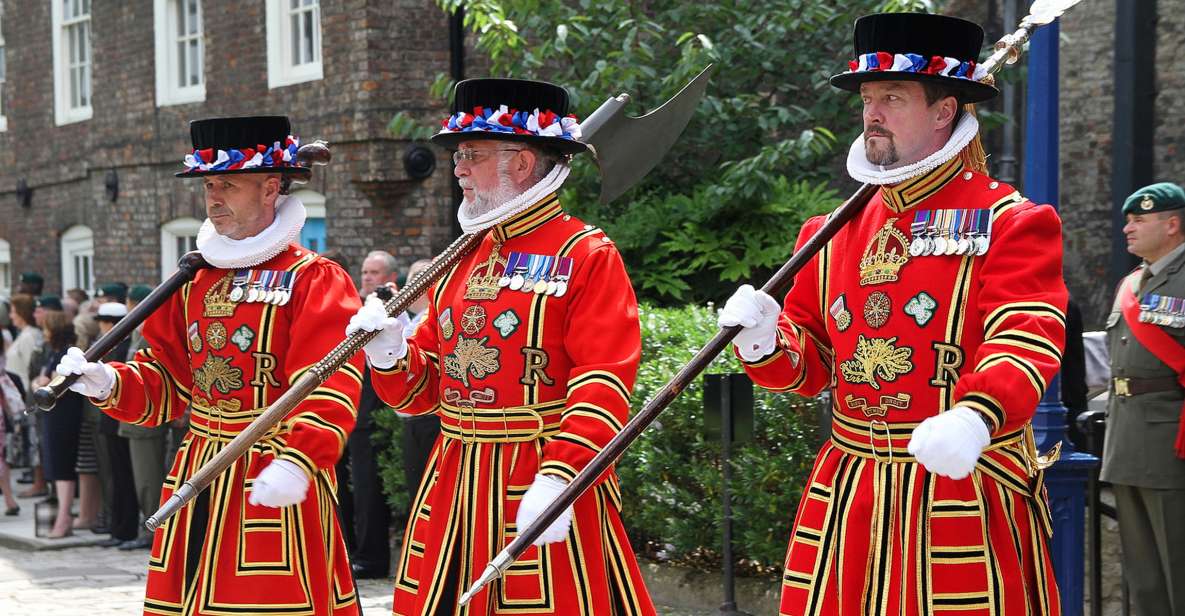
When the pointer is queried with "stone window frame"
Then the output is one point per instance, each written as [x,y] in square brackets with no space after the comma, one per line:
[3,74]
[176,235]
[78,258]
[282,67]
[5,268]
[73,61]
[314,207]
[175,40]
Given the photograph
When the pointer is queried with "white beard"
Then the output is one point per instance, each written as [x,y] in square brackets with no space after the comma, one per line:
[486,201]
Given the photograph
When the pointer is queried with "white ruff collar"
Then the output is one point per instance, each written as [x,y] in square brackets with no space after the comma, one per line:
[549,184]
[863,171]
[226,253]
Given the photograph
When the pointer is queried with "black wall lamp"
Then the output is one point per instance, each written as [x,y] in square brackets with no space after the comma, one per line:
[111,183]
[418,161]
[24,194]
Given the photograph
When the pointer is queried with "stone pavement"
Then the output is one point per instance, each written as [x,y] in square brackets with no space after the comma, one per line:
[93,581]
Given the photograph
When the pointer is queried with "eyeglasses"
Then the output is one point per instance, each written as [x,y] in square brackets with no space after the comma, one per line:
[475,156]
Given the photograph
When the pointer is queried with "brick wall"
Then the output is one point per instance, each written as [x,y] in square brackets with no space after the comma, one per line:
[379,58]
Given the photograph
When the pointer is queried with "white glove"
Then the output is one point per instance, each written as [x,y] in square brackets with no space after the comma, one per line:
[279,484]
[390,345]
[541,493]
[949,444]
[757,313]
[95,379]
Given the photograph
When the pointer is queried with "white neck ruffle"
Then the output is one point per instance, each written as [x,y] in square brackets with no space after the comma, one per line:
[549,184]
[863,171]
[226,253]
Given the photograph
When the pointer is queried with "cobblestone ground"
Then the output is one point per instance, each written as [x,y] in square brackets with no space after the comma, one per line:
[92,581]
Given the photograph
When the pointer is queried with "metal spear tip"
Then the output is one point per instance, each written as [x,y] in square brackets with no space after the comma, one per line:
[1042,12]
[490,574]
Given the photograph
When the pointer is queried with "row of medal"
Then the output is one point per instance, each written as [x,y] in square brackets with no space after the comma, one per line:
[538,274]
[951,232]
[263,286]
[1162,310]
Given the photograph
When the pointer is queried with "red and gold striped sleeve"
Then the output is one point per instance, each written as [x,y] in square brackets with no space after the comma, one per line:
[1022,298]
[412,385]
[154,388]
[604,342]
[802,361]
[321,306]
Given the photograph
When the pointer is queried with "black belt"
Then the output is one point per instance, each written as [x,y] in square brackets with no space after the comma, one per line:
[1135,387]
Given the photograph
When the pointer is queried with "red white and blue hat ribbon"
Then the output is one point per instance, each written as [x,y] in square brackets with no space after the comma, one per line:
[916,63]
[261,156]
[544,123]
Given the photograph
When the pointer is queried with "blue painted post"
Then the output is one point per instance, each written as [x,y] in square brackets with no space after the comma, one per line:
[1067,479]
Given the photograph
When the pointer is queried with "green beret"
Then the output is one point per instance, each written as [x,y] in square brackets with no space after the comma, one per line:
[139,292]
[49,302]
[32,277]
[114,291]
[1159,197]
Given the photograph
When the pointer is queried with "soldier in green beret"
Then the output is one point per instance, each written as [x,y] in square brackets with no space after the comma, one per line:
[1144,451]
[114,292]
[31,284]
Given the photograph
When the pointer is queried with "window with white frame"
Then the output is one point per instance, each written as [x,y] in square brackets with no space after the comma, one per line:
[312,234]
[3,73]
[78,258]
[72,60]
[293,42]
[177,237]
[5,269]
[180,49]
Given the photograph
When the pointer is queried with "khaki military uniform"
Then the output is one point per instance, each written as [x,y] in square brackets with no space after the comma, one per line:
[1138,456]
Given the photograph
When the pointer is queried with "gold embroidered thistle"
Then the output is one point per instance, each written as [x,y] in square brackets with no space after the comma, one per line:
[886,253]
[471,357]
[216,373]
[483,283]
[876,358]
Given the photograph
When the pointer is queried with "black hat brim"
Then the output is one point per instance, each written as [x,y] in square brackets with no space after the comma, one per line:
[966,90]
[452,141]
[294,171]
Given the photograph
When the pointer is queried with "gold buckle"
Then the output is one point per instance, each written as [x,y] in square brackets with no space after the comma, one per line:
[1122,386]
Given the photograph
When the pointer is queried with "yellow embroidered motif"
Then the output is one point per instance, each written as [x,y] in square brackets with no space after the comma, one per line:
[885,255]
[216,336]
[483,283]
[471,356]
[226,406]
[876,358]
[896,401]
[217,299]
[217,374]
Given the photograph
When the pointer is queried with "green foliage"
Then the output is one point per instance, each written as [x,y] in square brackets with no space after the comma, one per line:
[671,477]
[388,440]
[769,114]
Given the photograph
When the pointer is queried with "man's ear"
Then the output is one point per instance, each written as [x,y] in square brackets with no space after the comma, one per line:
[271,189]
[526,161]
[948,108]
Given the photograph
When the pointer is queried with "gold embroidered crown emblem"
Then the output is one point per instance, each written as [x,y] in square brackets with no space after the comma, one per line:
[483,283]
[217,299]
[884,256]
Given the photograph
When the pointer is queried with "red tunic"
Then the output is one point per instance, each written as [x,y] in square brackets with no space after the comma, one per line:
[899,338]
[229,360]
[524,383]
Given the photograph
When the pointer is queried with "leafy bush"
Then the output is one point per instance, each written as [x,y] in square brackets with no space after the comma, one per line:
[671,477]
